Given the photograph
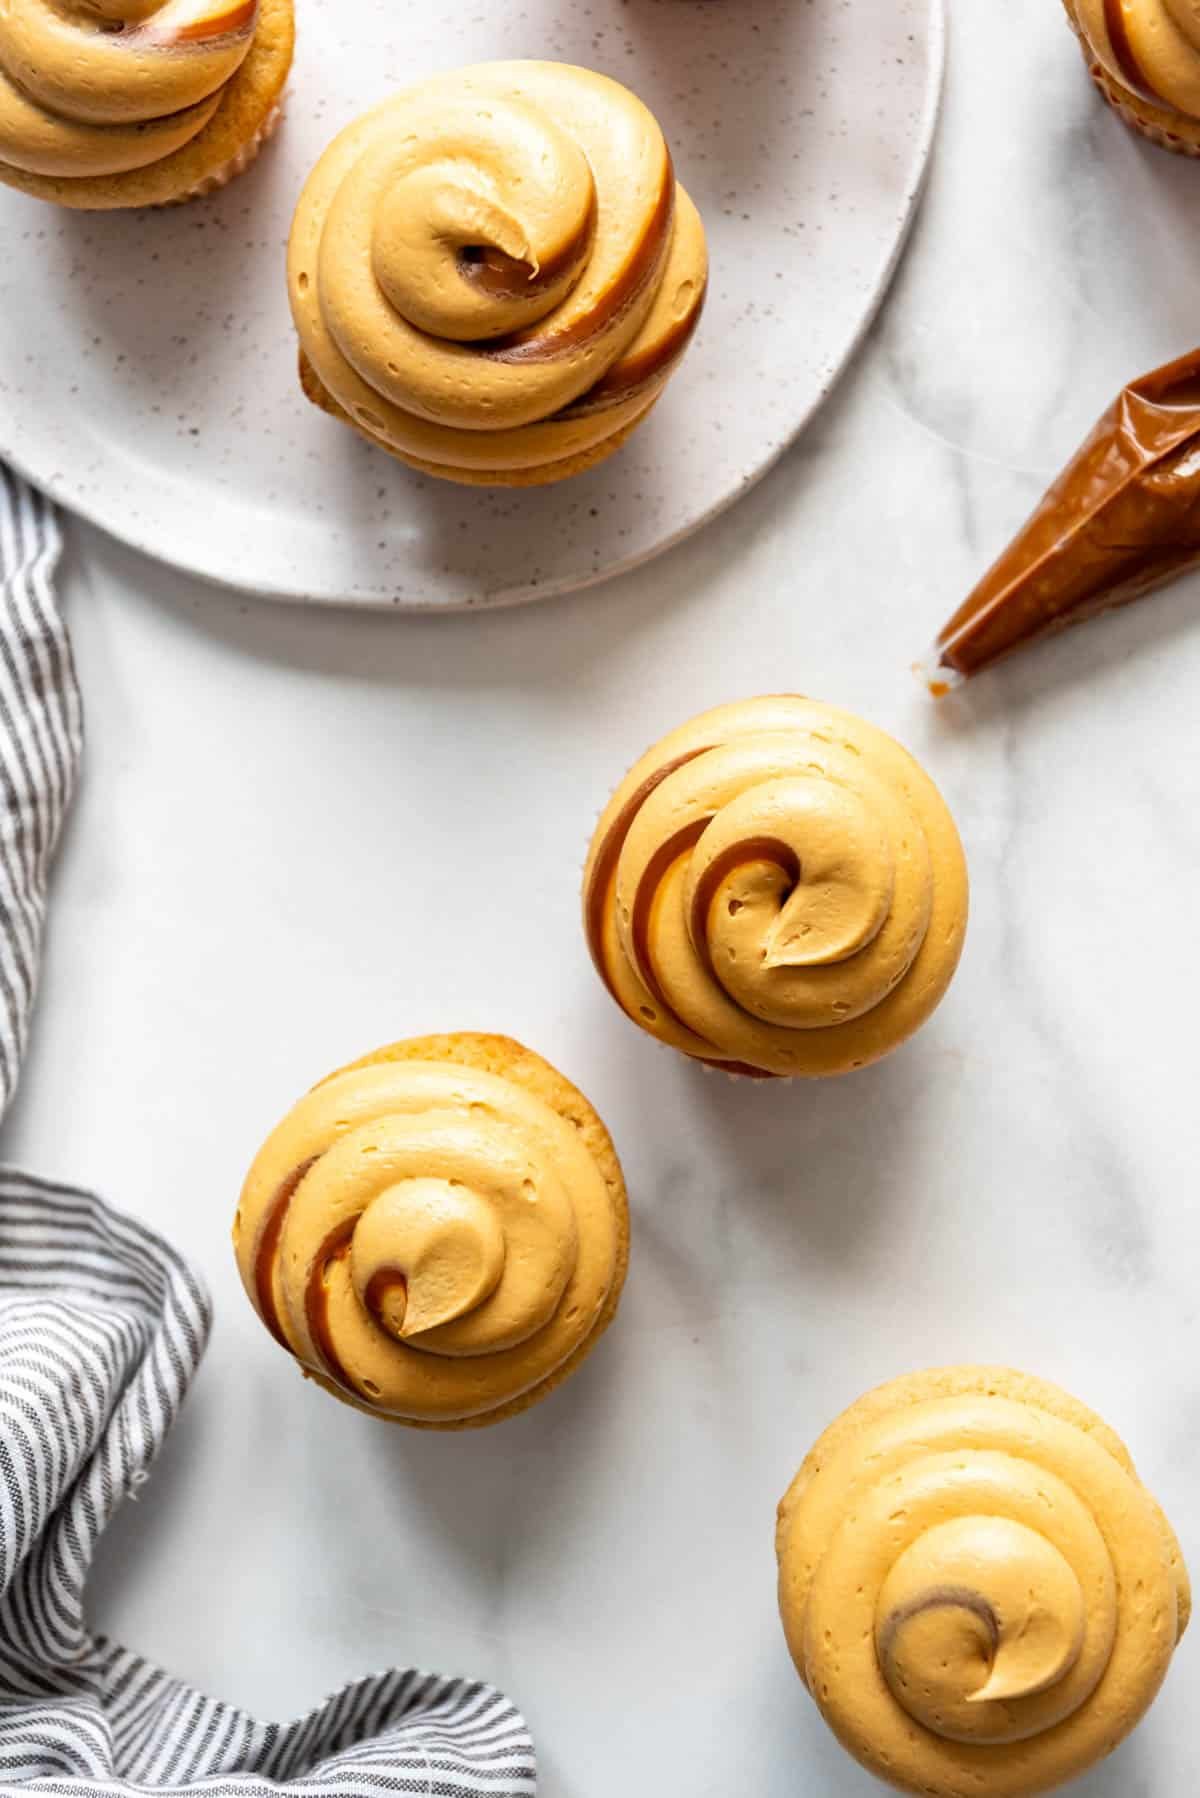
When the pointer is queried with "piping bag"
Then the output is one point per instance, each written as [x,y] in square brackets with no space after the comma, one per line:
[1122,518]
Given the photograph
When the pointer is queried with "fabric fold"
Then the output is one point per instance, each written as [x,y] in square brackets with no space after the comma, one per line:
[41,736]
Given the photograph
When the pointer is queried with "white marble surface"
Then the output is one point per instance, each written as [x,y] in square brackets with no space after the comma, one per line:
[300,835]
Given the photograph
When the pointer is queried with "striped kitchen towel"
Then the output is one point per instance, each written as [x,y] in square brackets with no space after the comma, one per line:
[41,732]
[102,1326]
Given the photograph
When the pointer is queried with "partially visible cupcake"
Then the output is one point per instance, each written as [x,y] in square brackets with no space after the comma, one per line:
[1144,56]
[439,1233]
[111,104]
[494,274]
[776,888]
[977,1589]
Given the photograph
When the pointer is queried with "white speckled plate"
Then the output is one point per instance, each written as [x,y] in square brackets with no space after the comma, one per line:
[147,362]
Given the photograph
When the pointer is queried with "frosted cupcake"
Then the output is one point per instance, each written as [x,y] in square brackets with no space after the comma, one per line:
[776,889]
[976,1588]
[439,1233]
[494,274]
[106,104]
[1144,56]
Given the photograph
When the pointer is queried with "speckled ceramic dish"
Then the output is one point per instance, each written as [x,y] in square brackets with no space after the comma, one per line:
[147,361]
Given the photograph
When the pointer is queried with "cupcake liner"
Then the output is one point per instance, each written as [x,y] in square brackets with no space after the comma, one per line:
[1154,134]
[1126,105]
[237,164]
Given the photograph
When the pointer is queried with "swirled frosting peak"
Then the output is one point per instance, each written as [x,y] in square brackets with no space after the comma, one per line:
[976,1588]
[497,271]
[1151,47]
[433,1239]
[102,87]
[777,888]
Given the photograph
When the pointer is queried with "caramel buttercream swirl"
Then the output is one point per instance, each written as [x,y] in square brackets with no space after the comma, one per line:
[432,1240]
[103,87]
[497,270]
[777,888]
[1150,46]
[976,1588]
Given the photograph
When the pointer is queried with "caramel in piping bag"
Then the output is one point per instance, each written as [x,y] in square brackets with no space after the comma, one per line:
[1122,518]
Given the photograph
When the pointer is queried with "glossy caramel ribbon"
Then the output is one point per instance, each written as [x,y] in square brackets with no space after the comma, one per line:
[1151,47]
[115,85]
[977,1590]
[777,888]
[497,269]
[430,1240]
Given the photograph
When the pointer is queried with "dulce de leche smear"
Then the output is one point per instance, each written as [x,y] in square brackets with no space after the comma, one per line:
[1122,518]
[977,1590]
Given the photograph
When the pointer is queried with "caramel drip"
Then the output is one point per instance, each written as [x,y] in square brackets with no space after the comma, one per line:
[602,889]
[537,345]
[507,278]
[336,1247]
[633,373]
[1132,73]
[661,862]
[738,855]
[264,1266]
[604,871]
[380,1287]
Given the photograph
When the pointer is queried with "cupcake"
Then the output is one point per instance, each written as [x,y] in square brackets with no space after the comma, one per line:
[1144,56]
[493,274]
[976,1588]
[439,1233]
[776,889]
[107,104]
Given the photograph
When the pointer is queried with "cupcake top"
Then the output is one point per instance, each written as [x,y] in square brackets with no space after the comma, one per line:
[437,1232]
[976,1588]
[111,86]
[497,270]
[777,888]
[1150,46]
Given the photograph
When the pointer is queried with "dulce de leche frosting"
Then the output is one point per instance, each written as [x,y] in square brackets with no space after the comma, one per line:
[976,1588]
[776,888]
[1122,518]
[102,87]
[1152,47]
[497,270]
[432,1240]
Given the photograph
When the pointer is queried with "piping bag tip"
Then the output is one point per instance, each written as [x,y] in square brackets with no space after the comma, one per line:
[936,676]
[1121,519]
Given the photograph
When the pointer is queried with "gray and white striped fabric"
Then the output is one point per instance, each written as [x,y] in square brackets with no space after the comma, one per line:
[41,733]
[102,1326]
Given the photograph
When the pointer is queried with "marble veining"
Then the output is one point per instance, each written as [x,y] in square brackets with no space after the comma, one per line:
[279,806]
